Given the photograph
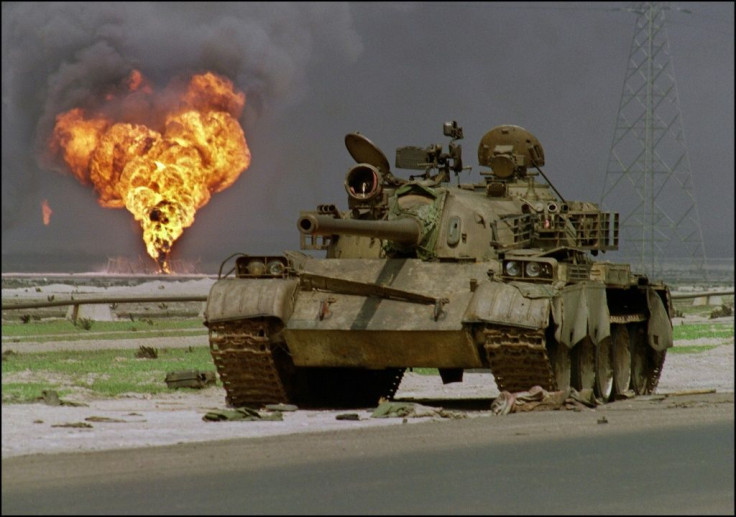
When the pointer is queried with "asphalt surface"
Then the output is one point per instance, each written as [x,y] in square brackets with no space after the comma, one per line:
[645,459]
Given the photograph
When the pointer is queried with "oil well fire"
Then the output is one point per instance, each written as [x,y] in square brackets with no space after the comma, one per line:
[159,155]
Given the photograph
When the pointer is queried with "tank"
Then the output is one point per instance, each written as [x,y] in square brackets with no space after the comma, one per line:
[426,271]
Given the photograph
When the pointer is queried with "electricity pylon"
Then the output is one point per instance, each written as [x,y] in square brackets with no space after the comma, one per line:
[648,178]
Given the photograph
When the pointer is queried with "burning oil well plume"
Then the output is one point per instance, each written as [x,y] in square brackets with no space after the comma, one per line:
[46,212]
[60,56]
[162,162]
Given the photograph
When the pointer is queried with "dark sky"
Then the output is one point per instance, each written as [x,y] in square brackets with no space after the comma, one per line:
[313,72]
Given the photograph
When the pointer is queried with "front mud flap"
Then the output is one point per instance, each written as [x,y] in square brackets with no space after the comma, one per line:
[581,310]
[659,328]
[233,299]
[505,304]
[511,322]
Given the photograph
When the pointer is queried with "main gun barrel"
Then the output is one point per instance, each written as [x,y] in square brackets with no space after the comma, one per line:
[405,230]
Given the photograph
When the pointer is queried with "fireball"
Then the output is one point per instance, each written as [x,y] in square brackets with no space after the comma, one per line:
[162,175]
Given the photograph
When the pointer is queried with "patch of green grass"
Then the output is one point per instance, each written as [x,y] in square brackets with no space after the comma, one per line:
[17,392]
[55,327]
[425,371]
[693,310]
[64,330]
[690,349]
[702,330]
[106,372]
[107,337]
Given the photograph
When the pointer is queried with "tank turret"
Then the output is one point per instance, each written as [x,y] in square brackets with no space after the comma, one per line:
[426,217]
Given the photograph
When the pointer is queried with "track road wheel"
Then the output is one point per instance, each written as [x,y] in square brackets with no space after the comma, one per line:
[604,370]
[583,365]
[621,356]
[559,357]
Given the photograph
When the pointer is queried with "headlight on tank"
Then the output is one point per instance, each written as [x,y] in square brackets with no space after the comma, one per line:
[256,267]
[262,266]
[275,268]
[513,268]
[532,269]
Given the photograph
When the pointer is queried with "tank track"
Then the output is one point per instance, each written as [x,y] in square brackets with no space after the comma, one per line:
[654,363]
[656,371]
[243,355]
[393,385]
[255,370]
[518,358]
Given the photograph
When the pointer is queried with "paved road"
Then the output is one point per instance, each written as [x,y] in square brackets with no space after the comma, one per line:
[447,467]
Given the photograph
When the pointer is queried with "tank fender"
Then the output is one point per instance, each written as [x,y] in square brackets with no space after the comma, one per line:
[659,328]
[506,304]
[233,299]
[581,310]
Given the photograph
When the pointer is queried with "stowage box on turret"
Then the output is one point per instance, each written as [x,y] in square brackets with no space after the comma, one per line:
[421,272]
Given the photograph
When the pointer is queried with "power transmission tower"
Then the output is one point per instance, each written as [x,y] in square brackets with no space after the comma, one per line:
[648,178]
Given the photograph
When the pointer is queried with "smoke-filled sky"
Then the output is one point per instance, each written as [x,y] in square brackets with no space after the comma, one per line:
[312,72]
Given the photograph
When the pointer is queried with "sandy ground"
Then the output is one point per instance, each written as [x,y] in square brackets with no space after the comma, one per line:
[177,417]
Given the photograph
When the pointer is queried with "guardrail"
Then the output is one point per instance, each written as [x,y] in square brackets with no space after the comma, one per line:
[705,294]
[82,301]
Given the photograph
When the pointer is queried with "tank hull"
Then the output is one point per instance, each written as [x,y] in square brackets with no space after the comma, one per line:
[385,315]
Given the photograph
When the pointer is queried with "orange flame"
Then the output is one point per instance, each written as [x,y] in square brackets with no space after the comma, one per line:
[46,212]
[162,175]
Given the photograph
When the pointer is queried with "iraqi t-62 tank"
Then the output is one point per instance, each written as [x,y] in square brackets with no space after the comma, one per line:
[421,272]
